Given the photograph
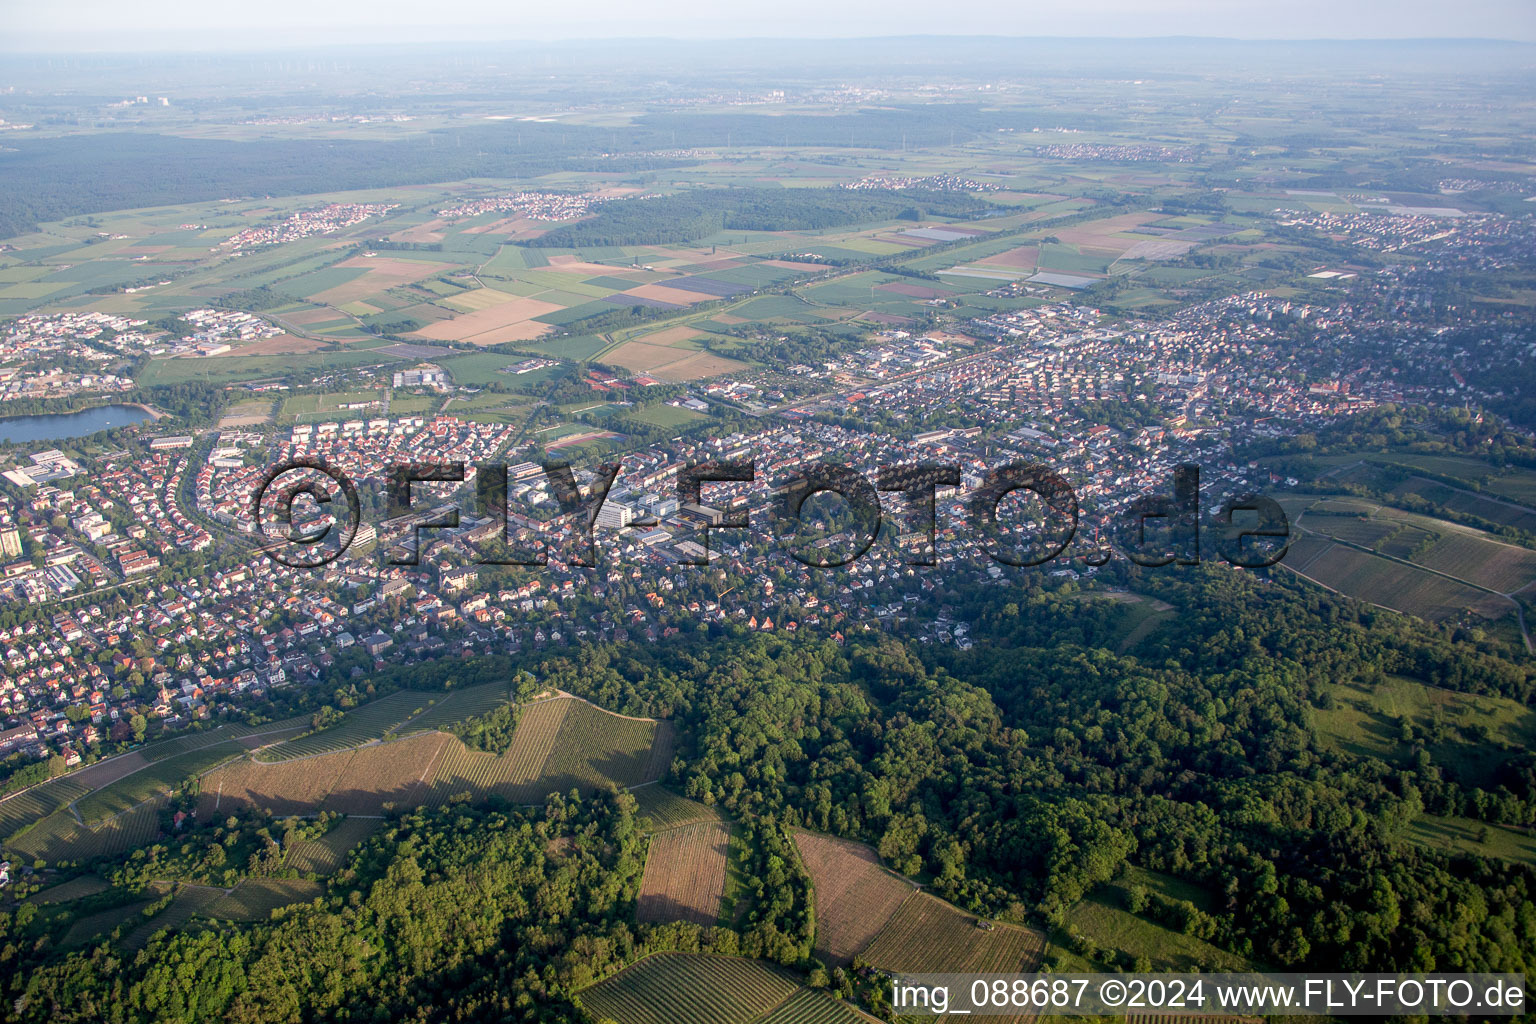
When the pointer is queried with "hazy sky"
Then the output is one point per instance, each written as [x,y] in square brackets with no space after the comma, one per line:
[62,25]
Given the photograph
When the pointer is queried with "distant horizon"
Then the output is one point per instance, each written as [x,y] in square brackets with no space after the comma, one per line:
[162,26]
[8,47]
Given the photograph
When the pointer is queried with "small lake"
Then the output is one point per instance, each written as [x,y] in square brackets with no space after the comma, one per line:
[64,425]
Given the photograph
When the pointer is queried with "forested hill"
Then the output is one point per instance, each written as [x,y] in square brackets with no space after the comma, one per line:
[93,172]
[1026,771]
[695,214]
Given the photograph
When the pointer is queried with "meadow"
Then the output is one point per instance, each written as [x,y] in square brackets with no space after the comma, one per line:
[1467,734]
[1103,919]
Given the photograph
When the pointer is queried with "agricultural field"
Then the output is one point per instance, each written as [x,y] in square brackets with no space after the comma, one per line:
[513,774]
[442,710]
[394,773]
[685,874]
[254,899]
[296,786]
[670,987]
[370,721]
[855,897]
[33,804]
[360,781]
[104,922]
[60,837]
[929,935]
[1390,584]
[1467,555]
[74,889]
[157,779]
[808,1006]
[327,854]
[664,809]
[188,901]
[594,746]
[560,743]
[233,369]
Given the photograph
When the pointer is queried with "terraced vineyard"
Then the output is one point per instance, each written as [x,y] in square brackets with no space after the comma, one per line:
[390,773]
[459,705]
[286,787]
[666,809]
[811,1007]
[104,922]
[188,901]
[371,721]
[254,899]
[594,745]
[671,987]
[929,935]
[190,741]
[855,896]
[684,876]
[74,889]
[60,837]
[160,777]
[37,802]
[512,774]
[327,854]
[559,744]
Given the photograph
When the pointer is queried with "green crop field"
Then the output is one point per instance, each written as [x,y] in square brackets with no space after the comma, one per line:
[672,987]
[231,369]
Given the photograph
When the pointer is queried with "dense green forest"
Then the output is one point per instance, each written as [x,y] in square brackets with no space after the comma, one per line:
[689,216]
[54,178]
